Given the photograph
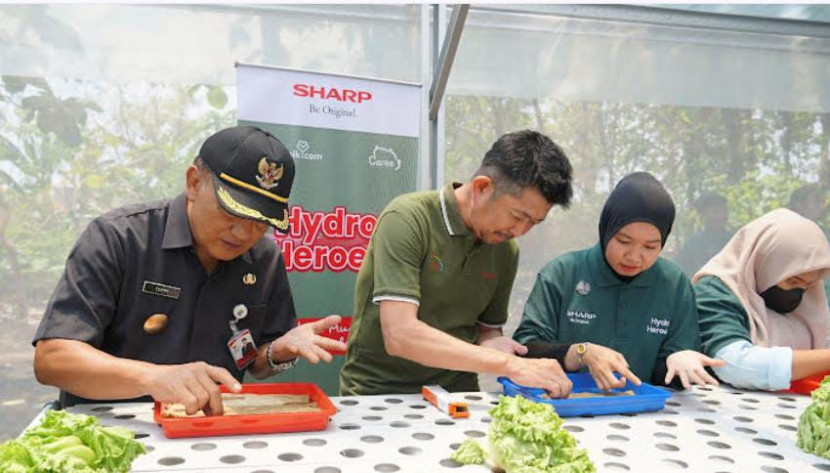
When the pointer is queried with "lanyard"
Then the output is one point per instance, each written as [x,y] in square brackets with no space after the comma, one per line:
[240,311]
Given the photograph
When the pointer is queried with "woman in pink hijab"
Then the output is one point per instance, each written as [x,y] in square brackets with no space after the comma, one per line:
[762,305]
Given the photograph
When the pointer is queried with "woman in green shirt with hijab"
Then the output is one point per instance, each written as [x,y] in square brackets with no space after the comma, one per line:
[618,307]
[762,303]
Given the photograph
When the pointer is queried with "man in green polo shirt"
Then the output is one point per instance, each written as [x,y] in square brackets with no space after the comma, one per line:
[432,293]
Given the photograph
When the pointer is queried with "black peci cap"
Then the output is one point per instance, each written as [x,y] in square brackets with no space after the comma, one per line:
[252,174]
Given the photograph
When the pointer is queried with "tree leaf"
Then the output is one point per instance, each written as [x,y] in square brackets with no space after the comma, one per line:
[8,151]
[193,90]
[15,84]
[217,97]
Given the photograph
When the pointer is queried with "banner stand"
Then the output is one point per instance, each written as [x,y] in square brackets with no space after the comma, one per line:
[355,146]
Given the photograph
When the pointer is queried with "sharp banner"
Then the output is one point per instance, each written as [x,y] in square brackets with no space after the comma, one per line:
[355,147]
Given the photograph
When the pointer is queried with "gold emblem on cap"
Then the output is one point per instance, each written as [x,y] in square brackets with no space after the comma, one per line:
[270,173]
[249,279]
[155,323]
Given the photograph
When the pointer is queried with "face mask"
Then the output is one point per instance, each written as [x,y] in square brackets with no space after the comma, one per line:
[782,301]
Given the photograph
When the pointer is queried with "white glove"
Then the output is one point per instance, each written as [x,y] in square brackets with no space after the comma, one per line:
[689,365]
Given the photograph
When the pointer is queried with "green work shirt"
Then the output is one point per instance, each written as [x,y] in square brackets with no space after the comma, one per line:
[422,252]
[723,319]
[827,290]
[578,298]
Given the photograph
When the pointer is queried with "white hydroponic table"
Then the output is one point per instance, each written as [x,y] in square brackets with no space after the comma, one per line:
[701,430]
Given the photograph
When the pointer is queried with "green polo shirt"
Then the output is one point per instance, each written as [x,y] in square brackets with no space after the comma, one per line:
[723,319]
[577,298]
[422,252]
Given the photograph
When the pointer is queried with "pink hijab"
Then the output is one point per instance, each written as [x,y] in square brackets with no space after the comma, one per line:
[766,251]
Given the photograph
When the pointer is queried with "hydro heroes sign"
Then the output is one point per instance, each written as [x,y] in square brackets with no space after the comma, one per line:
[319,241]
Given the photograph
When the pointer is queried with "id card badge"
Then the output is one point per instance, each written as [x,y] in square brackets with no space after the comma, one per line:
[242,347]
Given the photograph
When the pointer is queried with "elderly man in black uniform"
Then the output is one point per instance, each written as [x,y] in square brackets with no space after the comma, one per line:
[159,299]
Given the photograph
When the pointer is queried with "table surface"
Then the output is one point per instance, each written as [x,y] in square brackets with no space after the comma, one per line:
[700,430]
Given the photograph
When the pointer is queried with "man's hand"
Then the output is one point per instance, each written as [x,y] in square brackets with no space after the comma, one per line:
[689,365]
[305,341]
[603,362]
[542,373]
[505,344]
[193,384]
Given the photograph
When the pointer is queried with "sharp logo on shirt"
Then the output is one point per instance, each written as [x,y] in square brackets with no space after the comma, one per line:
[489,275]
[658,326]
[583,288]
[435,263]
[159,289]
[581,318]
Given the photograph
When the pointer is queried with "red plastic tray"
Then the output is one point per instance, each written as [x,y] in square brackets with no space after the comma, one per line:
[254,424]
[808,384]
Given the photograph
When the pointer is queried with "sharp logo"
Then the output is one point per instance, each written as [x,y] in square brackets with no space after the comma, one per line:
[332,93]
[385,158]
[301,152]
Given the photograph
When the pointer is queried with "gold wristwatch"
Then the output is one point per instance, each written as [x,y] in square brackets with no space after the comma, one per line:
[581,349]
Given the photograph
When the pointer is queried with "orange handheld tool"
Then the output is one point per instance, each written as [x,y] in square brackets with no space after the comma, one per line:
[441,399]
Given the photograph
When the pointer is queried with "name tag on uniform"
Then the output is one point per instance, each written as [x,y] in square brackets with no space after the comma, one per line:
[158,289]
[243,349]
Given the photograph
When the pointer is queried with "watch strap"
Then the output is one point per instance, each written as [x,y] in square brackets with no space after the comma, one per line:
[278,366]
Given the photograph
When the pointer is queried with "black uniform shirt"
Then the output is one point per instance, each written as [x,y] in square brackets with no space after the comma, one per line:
[139,260]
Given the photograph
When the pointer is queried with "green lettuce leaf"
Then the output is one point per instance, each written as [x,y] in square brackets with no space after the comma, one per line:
[526,436]
[469,453]
[15,457]
[65,442]
[814,423]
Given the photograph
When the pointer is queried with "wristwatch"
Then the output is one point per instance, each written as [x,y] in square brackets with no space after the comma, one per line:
[581,349]
[281,366]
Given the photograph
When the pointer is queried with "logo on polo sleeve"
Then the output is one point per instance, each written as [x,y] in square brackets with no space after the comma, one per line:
[583,288]
[435,263]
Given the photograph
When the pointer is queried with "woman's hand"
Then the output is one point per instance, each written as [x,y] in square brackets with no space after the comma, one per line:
[689,366]
[603,362]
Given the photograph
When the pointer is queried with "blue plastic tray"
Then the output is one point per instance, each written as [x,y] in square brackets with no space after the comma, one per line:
[646,397]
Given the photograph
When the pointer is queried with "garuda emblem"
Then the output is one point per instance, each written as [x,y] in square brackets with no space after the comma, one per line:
[269,174]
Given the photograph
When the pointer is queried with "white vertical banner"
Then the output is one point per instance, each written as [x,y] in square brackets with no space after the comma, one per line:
[355,146]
